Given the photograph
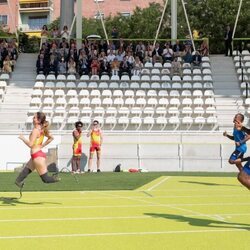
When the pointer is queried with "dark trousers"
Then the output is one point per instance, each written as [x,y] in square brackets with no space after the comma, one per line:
[228,46]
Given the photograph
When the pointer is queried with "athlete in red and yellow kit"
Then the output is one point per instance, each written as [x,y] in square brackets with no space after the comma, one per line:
[96,139]
[38,157]
[77,148]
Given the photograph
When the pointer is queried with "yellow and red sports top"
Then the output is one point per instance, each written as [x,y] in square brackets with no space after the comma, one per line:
[39,140]
[95,138]
[77,146]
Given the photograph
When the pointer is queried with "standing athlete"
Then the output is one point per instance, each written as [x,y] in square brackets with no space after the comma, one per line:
[77,148]
[96,139]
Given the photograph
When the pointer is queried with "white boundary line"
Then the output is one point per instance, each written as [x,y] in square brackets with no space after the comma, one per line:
[77,219]
[158,196]
[111,218]
[6,207]
[119,234]
[158,184]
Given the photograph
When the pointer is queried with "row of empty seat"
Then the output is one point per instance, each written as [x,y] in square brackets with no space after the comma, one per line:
[133,122]
[189,76]
[120,93]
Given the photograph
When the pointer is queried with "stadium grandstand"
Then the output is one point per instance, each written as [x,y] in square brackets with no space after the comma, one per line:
[148,113]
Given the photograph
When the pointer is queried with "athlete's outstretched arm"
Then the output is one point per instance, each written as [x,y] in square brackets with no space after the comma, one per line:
[231,137]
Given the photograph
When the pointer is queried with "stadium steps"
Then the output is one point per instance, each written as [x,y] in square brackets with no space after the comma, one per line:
[227,92]
[24,74]
[227,107]
[13,110]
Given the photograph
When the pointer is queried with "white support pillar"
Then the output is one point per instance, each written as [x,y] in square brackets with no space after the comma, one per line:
[79,24]
[189,29]
[159,26]
[66,13]
[173,20]
[237,18]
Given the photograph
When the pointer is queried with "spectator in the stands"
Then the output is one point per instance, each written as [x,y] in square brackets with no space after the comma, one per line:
[124,67]
[157,52]
[65,32]
[204,48]
[105,67]
[64,43]
[7,65]
[83,63]
[12,50]
[120,55]
[62,66]
[73,52]
[111,56]
[53,65]
[176,67]
[121,45]
[196,59]
[137,66]
[140,50]
[41,64]
[95,66]
[187,54]
[115,66]
[167,53]
[110,47]
[130,58]
[177,48]
[54,49]
[64,51]
[149,50]
[55,33]
[103,46]
[228,41]
[71,66]
[44,34]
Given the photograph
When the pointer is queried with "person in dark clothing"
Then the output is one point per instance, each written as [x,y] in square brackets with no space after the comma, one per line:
[228,41]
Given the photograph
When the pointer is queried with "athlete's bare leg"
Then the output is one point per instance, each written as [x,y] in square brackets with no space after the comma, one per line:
[98,162]
[244,179]
[41,168]
[90,161]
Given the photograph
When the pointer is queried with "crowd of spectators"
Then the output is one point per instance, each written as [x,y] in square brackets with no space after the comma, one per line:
[8,55]
[59,55]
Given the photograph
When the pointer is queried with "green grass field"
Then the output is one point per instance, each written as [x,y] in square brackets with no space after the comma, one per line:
[126,211]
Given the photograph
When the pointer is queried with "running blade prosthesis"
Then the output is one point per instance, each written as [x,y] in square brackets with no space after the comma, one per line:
[20,185]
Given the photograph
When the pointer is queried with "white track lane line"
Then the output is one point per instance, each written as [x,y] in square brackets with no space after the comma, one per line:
[158,184]
[120,234]
[109,218]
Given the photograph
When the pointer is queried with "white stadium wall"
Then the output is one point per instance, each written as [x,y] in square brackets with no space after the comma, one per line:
[154,152]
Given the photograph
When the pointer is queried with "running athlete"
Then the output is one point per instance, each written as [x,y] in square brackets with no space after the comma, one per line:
[77,148]
[240,138]
[38,157]
[96,139]
[244,174]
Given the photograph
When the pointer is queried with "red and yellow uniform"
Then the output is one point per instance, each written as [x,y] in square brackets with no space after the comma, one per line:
[77,146]
[39,142]
[95,140]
